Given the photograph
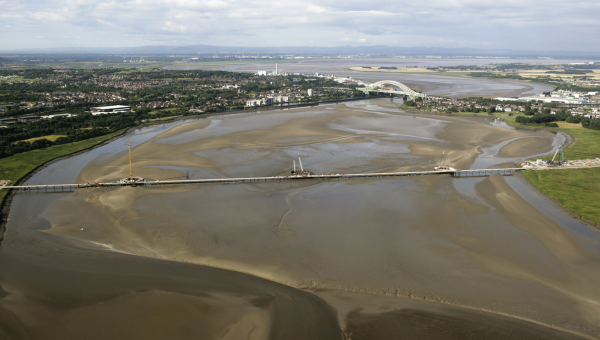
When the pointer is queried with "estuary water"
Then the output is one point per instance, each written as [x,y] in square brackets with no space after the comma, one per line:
[428,257]
[432,84]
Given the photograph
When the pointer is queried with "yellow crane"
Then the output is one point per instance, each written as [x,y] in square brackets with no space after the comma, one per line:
[130,168]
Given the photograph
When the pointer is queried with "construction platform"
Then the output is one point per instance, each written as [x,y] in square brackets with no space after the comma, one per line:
[550,165]
[71,187]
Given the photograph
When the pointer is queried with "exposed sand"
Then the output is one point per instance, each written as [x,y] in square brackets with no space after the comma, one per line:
[525,147]
[268,141]
[478,258]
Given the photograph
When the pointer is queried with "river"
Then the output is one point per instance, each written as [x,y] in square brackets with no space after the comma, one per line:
[428,257]
[431,84]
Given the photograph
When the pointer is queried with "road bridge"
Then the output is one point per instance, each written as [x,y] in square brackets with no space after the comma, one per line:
[383,85]
[72,187]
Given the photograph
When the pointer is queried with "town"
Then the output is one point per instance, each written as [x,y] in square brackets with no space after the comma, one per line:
[576,103]
[35,92]
[42,107]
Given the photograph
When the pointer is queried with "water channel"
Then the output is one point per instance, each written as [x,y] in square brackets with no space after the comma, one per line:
[367,258]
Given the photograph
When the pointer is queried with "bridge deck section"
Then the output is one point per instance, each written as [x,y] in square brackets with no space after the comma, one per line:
[69,187]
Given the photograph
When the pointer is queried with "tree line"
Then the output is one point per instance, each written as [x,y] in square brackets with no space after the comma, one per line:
[80,127]
[562,115]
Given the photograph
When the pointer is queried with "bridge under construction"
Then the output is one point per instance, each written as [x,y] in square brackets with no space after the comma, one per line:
[295,174]
[305,176]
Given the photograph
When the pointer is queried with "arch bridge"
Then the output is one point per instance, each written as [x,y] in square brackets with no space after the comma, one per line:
[380,87]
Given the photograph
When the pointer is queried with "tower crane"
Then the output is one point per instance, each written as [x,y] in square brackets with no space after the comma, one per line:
[130,168]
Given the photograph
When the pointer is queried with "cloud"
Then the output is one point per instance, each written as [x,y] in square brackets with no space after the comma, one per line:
[444,23]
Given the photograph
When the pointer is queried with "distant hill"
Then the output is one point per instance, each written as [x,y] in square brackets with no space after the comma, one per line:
[378,49]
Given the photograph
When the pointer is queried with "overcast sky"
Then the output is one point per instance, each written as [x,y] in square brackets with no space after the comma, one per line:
[517,24]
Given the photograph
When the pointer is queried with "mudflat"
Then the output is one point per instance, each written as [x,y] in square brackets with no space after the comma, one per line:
[524,147]
[419,257]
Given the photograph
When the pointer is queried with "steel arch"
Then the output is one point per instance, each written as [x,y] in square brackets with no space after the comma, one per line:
[406,90]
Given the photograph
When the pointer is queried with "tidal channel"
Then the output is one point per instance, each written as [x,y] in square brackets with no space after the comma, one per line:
[423,257]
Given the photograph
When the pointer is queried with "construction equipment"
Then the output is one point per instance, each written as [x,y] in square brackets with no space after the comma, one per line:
[130,168]
[560,148]
[441,167]
[302,172]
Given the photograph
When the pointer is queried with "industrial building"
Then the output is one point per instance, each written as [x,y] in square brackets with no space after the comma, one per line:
[110,109]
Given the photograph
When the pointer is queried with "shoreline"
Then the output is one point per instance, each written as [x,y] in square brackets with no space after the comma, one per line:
[523,179]
[309,289]
[5,205]
[555,203]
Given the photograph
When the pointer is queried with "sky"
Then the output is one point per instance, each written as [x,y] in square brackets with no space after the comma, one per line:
[547,25]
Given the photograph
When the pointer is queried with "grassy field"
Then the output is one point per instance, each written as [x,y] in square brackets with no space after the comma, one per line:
[15,167]
[504,115]
[18,79]
[51,138]
[585,145]
[163,118]
[577,189]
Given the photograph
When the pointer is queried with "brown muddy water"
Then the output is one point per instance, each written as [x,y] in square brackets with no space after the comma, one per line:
[428,257]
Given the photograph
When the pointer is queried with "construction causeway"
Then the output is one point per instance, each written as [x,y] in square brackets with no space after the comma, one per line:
[71,187]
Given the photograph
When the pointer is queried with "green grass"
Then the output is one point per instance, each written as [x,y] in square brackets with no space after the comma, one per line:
[51,138]
[577,190]
[163,118]
[586,144]
[18,79]
[16,166]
